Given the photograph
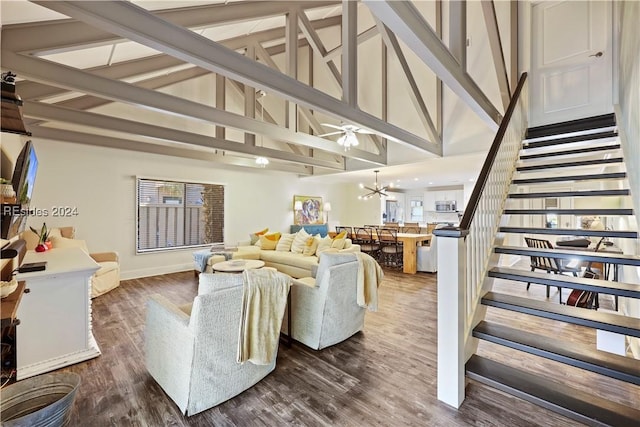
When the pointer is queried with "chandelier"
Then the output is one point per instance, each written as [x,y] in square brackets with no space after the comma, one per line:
[380,191]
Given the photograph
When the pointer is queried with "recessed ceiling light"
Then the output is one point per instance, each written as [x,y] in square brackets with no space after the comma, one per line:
[415,179]
[431,183]
[471,179]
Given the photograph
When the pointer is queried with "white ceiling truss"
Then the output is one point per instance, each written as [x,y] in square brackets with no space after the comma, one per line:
[61,100]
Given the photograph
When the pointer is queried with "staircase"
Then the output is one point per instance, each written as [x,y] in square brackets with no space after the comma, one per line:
[573,154]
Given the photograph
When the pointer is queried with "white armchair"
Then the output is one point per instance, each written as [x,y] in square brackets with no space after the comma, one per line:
[191,350]
[324,310]
[108,275]
[427,256]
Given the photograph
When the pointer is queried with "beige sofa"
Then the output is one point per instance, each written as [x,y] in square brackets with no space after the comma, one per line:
[295,265]
[105,279]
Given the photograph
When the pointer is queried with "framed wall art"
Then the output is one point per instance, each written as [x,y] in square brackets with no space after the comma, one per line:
[307,210]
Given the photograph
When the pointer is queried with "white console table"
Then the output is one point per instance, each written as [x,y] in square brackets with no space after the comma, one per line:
[55,316]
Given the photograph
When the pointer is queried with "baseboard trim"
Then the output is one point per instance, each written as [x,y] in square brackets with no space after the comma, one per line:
[155,271]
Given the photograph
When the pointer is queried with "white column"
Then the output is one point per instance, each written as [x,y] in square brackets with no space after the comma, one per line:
[451,317]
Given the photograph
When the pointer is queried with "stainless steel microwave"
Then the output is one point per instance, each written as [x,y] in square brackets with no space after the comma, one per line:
[446,206]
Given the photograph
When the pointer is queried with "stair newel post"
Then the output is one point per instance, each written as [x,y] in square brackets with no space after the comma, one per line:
[452,300]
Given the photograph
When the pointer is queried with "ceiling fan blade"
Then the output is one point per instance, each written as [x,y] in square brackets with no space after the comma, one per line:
[364,131]
[329,125]
[329,134]
[371,189]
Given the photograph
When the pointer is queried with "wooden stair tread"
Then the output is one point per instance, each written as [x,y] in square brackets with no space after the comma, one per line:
[586,177]
[576,193]
[572,232]
[559,252]
[555,396]
[575,354]
[570,152]
[545,141]
[570,164]
[590,212]
[575,315]
[585,123]
[595,285]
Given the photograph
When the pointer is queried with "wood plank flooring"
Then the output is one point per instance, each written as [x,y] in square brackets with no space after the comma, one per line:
[383,376]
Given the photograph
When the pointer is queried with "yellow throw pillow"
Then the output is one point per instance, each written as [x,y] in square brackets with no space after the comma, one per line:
[255,236]
[269,241]
[341,235]
[310,246]
[340,240]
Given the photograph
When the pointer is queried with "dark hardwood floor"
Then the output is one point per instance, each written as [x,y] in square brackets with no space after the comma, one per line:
[384,376]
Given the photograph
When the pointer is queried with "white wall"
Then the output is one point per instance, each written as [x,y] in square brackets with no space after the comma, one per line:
[100,182]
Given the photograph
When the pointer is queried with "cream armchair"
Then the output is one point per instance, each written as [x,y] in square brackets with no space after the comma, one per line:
[324,309]
[191,350]
[108,275]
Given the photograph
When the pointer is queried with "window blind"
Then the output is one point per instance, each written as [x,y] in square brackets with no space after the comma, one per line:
[172,214]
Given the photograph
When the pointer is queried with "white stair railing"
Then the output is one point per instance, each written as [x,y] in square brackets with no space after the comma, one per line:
[462,274]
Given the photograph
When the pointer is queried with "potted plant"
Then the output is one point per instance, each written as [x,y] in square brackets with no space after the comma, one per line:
[43,235]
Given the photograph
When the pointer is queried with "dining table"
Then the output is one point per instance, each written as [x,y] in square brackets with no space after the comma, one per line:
[410,242]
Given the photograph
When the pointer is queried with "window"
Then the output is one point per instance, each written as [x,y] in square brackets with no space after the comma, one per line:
[174,214]
[417,210]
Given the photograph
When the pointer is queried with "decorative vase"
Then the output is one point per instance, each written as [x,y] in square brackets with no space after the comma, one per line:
[7,195]
[41,247]
[48,244]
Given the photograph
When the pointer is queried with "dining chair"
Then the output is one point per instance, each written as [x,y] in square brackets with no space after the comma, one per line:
[364,236]
[348,229]
[550,265]
[391,250]
[411,229]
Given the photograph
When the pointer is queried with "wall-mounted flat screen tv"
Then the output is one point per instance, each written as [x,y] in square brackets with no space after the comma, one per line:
[23,180]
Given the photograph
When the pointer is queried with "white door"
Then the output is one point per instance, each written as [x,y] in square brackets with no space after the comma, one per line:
[571,61]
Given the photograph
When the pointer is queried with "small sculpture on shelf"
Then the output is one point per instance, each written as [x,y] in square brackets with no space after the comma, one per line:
[43,242]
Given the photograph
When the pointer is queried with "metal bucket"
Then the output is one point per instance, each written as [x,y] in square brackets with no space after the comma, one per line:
[44,400]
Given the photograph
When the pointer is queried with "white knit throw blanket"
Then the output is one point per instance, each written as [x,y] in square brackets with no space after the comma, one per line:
[264,299]
[370,275]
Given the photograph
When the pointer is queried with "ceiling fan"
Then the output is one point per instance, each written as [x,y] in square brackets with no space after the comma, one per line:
[380,191]
[348,137]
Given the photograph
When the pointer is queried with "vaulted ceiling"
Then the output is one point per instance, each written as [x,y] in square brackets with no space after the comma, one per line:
[229,81]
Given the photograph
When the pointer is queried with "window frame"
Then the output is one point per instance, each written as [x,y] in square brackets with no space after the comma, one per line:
[184,182]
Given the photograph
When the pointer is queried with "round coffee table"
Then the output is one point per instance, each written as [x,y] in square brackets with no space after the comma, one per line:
[237,265]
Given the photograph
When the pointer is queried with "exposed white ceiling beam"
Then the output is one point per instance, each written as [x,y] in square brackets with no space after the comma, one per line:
[318,47]
[49,112]
[362,37]
[291,64]
[350,53]
[313,122]
[391,42]
[135,23]
[143,147]
[458,31]
[491,22]
[37,91]
[65,34]
[410,26]
[76,80]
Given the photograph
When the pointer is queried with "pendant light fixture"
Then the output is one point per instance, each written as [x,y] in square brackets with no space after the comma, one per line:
[380,191]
